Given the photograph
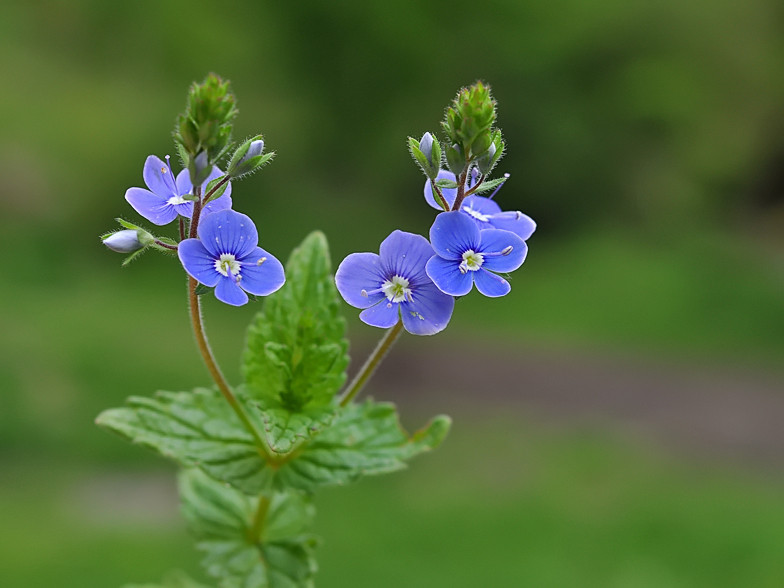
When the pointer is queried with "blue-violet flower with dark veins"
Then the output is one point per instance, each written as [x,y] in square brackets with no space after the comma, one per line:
[394,286]
[485,211]
[226,257]
[164,201]
[466,256]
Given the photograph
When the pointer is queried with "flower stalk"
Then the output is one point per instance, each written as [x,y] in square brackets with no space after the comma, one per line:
[367,370]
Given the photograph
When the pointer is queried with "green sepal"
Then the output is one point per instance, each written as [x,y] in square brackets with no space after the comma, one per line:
[446,184]
[196,428]
[275,552]
[201,289]
[295,354]
[488,185]
[455,160]
[133,257]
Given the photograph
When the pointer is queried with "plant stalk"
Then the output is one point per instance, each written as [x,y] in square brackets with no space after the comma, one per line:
[371,364]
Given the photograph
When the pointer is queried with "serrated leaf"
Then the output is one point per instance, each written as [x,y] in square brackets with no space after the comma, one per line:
[295,356]
[489,185]
[365,439]
[200,429]
[196,428]
[283,430]
[276,554]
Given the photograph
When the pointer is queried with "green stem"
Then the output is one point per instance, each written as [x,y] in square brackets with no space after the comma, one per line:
[206,351]
[371,364]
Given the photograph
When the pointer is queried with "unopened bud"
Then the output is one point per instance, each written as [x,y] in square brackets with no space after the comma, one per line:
[128,241]
[426,147]
[455,159]
[485,163]
[247,158]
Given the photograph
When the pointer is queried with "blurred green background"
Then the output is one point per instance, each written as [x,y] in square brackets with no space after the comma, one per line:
[619,421]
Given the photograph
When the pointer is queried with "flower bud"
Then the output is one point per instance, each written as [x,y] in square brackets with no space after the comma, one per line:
[426,147]
[485,163]
[248,157]
[128,241]
[455,159]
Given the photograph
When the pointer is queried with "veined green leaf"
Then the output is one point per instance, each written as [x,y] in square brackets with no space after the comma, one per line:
[364,439]
[489,185]
[295,357]
[196,428]
[243,552]
[199,429]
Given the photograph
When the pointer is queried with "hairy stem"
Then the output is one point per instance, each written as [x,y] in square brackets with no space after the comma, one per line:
[217,186]
[439,197]
[160,243]
[181,223]
[206,351]
[460,191]
[371,364]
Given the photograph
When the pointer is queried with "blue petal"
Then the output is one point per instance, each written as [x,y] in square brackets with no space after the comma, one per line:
[449,194]
[158,177]
[446,275]
[383,315]
[523,226]
[264,279]
[481,204]
[228,231]
[405,254]
[490,284]
[454,233]
[360,271]
[495,240]
[430,311]
[151,206]
[198,262]
[184,187]
[229,292]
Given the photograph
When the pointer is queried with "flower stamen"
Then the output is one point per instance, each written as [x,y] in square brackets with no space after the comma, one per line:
[227,264]
[472,261]
[396,289]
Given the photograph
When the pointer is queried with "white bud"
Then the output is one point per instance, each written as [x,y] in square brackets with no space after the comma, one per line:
[126,241]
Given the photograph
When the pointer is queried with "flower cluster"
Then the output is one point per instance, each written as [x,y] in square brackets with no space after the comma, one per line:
[472,242]
[223,253]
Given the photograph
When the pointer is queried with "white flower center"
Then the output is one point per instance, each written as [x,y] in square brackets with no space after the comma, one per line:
[226,264]
[396,289]
[476,214]
[176,200]
[472,261]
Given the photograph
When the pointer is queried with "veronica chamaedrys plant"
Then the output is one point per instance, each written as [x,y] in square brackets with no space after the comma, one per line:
[253,453]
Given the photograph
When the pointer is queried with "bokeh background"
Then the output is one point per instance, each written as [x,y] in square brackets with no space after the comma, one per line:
[619,418]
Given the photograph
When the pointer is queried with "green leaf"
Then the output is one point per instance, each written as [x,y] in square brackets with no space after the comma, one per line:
[365,439]
[200,429]
[448,184]
[195,429]
[242,552]
[489,185]
[295,356]
[219,192]
[283,430]
[201,289]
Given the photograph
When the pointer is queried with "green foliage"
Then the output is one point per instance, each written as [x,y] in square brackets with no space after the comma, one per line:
[243,549]
[200,429]
[489,185]
[295,356]
[194,429]
[365,439]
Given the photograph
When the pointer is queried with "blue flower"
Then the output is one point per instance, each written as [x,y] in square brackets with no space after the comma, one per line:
[466,256]
[394,285]
[485,211]
[226,257]
[164,200]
